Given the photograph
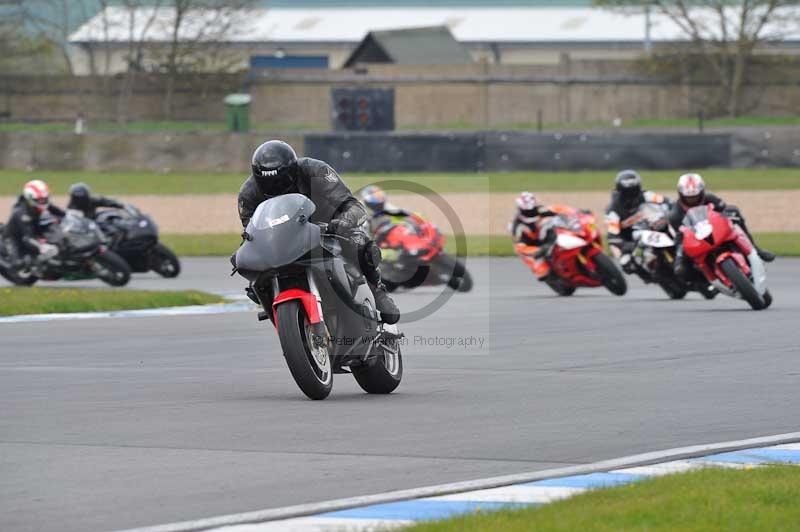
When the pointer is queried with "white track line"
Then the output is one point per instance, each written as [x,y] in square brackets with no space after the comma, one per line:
[305,510]
[192,310]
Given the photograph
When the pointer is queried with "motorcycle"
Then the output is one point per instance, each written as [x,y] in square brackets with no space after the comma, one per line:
[413,255]
[81,254]
[134,237]
[653,254]
[576,257]
[320,304]
[722,251]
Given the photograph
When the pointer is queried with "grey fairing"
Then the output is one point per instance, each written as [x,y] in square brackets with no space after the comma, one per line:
[280,233]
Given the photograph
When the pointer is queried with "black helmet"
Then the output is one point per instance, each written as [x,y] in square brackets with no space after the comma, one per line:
[80,196]
[629,187]
[275,167]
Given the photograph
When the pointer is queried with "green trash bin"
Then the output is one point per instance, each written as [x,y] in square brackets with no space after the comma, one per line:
[237,112]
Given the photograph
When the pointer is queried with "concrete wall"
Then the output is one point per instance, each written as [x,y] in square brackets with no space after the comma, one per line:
[467,152]
[482,96]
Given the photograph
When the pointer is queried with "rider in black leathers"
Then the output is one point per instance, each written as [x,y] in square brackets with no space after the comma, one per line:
[81,199]
[692,193]
[276,170]
[626,198]
[22,233]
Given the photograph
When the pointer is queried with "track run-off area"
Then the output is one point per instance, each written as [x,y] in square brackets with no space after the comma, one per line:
[117,423]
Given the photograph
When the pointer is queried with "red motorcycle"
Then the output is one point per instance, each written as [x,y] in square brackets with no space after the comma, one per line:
[722,251]
[576,258]
[413,255]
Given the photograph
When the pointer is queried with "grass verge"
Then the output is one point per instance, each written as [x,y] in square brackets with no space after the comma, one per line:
[784,244]
[35,300]
[706,499]
[121,183]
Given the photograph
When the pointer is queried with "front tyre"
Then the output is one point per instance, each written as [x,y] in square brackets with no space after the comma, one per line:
[610,275]
[310,365]
[742,284]
[673,288]
[111,269]
[164,262]
[384,374]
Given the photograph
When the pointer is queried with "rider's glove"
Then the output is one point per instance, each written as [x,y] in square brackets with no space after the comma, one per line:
[47,251]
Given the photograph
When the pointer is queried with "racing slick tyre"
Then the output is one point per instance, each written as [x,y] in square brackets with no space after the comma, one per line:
[742,284]
[17,278]
[164,262]
[460,279]
[383,374]
[610,275]
[310,366]
[673,289]
[767,299]
[559,287]
[111,269]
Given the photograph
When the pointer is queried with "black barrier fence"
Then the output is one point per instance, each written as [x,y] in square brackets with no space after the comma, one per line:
[510,151]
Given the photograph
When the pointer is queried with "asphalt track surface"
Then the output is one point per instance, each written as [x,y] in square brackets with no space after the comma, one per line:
[109,424]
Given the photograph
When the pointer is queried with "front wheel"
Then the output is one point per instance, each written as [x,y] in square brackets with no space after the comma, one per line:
[384,374]
[309,363]
[742,284]
[673,288]
[18,278]
[610,275]
[164,262]
[111,269]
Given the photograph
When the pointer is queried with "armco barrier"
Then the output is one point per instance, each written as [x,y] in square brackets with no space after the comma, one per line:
[509,151]
[473,151]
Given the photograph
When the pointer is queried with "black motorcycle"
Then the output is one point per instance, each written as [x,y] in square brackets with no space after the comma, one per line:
[320,304]
[81,254]
[653,255]
[134,236]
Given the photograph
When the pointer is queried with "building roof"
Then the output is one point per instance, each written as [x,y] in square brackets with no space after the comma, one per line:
[351,25]
[413,46]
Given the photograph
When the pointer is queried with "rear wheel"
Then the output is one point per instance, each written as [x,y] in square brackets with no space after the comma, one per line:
[309,364]
[742,284]
[459,278]
[559,286]
[610,275]
[164,262]
[111,269]
[385,373]
[673,288]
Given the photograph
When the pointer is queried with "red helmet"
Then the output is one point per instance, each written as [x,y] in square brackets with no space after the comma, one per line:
[691,190]
[36,194]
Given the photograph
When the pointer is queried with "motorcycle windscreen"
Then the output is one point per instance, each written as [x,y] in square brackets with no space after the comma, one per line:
[280,233]
[696,219]
[79,232]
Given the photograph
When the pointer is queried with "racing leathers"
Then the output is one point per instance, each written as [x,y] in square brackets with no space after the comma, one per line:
[23,232]
[344,214]
[621,218]
[533,238]
[89,209]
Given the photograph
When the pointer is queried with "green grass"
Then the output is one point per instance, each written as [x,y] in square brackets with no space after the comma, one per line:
[148,126]
[784,244]
[121,183]
[708,499]
[20,300]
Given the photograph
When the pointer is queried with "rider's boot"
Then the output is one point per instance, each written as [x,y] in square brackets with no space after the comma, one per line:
[385,304]
[766,256]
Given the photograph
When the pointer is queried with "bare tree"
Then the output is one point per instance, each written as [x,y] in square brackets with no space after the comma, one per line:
[723,34]
[197,33]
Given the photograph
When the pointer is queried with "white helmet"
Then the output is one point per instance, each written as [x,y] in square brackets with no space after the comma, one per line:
[691,190]
[36,194]
[526,202]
